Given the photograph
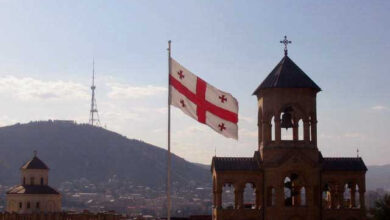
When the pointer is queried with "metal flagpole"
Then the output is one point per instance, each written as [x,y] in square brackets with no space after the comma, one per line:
[169,138]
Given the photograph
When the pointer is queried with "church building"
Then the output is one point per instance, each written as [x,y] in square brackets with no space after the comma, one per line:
[288,178]
[34,195]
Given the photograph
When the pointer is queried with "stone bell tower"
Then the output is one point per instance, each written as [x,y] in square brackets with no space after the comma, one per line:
[287,104]
[287,100]
[288,176]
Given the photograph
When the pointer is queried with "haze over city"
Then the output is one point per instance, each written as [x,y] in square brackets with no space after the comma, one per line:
[47,49]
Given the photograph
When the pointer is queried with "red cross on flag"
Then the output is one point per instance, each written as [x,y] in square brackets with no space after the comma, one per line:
[202,101]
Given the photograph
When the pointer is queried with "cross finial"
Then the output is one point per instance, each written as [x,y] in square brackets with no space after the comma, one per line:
[35,153]
[285,42]
[357,152]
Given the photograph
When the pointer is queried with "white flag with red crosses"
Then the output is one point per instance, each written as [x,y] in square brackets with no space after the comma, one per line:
[202,101]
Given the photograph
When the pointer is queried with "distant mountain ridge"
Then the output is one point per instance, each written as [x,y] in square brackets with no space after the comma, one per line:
[378,177]
[73,151]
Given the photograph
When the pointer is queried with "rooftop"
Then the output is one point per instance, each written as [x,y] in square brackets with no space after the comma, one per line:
[32,190]
[253,164]
[287,75]
[343,164]
[35,163]
[235,163]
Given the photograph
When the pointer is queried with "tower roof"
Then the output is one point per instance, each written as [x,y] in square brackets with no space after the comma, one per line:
[235,163]
[343,164]
[287,75]
[35,163]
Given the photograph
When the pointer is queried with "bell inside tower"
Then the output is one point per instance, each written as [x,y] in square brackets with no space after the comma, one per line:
[287,120]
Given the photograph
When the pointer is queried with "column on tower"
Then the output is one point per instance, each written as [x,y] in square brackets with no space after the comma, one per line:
[306,131]
[295,130]
[353,192]
[313,127]
[362,199]
[277,129]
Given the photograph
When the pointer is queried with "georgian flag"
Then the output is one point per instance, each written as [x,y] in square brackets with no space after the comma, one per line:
[202,101]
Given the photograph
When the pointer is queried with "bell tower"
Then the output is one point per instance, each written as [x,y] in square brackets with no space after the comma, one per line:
[287,117]
[289,176]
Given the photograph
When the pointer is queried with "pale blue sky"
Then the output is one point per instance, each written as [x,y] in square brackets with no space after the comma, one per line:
[46,50]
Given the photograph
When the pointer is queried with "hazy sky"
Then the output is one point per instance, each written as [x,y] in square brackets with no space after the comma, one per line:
[46,51]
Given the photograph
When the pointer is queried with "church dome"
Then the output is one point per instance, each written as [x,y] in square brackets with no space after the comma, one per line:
[33,195]
[287,75]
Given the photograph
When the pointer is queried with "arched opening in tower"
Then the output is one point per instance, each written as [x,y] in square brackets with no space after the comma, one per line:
[249,196]
[228,196]
[287,124]
[326,197]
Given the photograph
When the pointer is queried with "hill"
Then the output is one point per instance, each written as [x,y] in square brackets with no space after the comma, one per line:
[378,177]
[73,151]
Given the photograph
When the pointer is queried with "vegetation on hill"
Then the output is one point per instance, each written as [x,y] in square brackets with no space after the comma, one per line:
[74,151]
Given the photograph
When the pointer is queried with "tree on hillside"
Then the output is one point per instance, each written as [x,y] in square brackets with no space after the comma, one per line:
[381,210]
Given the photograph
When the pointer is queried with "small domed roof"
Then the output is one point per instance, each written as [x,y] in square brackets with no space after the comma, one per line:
[35,163]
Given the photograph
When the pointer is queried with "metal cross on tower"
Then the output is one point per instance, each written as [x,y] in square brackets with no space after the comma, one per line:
[93,113]
[285,42]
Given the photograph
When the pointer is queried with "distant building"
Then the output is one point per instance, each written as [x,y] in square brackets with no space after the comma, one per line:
[288,175]
[34,194]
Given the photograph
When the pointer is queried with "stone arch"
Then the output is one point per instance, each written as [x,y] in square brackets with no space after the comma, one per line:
[293,183]
[299,112]
[228,196]
[295,113]
[333,192]
[249,195]
[288,192]
[301,179]
[267,116]
[326,196]
[347,198]
[357,196]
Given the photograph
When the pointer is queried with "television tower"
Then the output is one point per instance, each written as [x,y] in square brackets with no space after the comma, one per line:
[93,113]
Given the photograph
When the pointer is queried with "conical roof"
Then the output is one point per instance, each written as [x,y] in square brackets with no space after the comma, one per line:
[287,75]
[35,163]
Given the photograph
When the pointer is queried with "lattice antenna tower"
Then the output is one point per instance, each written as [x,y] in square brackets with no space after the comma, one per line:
[93,113]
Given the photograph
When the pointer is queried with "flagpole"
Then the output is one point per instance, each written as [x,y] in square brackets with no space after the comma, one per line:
[169,138]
